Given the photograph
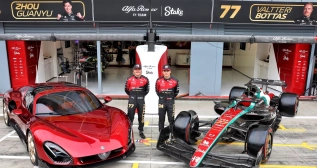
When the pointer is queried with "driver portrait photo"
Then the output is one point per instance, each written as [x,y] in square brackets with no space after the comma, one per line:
[306,19]
[68,15]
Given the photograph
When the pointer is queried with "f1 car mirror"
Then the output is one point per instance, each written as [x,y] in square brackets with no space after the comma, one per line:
[107,99]
[17,111]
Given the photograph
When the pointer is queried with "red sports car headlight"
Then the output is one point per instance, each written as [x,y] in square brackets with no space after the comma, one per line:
[57,154]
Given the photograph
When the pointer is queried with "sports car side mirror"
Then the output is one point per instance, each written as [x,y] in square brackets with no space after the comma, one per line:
[17,111]
[107,99]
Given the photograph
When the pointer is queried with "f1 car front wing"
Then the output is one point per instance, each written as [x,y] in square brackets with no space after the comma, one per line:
[180,150]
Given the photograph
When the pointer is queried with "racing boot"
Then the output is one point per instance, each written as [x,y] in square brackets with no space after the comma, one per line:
[142,135]
[171,134]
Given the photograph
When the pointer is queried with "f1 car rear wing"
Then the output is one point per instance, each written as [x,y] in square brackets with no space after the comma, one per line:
[267,82]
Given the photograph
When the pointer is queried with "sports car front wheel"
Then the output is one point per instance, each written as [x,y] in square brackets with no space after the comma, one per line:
[32,150]
[6,114]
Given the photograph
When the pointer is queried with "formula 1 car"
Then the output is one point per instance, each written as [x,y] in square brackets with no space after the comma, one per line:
[63,124]
[251,115]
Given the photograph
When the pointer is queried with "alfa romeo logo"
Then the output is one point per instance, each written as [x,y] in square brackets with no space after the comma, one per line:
[102,147]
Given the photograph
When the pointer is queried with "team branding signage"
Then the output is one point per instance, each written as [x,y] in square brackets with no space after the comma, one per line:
[264,12]
[46,10]
[162,10]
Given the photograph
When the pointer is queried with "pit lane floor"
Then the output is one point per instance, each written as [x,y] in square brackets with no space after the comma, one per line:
[295,143]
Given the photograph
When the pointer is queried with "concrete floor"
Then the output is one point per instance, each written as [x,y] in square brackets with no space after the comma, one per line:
[295,143]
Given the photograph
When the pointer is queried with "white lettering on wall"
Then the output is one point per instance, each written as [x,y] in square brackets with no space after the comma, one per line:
[171,11]
[141,8]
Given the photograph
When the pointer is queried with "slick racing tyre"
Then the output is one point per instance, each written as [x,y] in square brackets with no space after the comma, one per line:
[259,142]
[288,104]
[6,117]
[32,149]
[186,127]
[236,92]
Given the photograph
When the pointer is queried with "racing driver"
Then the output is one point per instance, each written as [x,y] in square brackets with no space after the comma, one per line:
[137,87]
[167,88]
[306,19]
[69,15]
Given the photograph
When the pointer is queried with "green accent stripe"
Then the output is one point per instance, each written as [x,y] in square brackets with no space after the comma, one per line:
[231,122]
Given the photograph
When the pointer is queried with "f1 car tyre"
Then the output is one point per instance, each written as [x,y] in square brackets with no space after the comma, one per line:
[186,126]
[32,150]
[236,92]
[6,114]
[288,104]
[259,139]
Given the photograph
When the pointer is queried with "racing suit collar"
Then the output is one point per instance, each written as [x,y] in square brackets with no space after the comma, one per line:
[137,77]
[69,14]
[167,78]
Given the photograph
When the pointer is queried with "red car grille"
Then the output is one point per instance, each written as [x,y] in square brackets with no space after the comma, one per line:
[95,158]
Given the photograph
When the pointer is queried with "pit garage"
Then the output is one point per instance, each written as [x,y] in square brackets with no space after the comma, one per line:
[294,146]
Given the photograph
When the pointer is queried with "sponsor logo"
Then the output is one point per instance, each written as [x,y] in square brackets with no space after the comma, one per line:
[171,11]
[303,51]
[30,47]
[149,72]
[282,39]
[206,142]
[211,135]
[285,58]
[287,50]
[140,8]
[302,56]
[195,159]
[200,150]
[24,37]
[15,48]
[222,121]
[16,53]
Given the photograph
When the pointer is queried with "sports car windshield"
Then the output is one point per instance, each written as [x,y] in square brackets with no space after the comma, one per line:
[67,103]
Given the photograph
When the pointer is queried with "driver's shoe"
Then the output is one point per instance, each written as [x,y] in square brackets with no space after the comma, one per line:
[142,135]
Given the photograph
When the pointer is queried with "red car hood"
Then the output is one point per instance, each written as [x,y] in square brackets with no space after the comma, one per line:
[85,134]
[93,126]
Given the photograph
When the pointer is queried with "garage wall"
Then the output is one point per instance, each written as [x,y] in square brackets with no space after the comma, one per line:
[4,65]
[206,62]
[244,60]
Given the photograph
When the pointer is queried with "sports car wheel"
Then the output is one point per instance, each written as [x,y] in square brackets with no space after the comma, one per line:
[6,117]
[288,104]
[186,126]
[259,142]
[32,150]
[236,92]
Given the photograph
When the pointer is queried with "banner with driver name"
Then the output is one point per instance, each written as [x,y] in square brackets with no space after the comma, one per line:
[45,10]
[263,12]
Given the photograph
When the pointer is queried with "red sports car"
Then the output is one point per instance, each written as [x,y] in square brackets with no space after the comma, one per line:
[65,124]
